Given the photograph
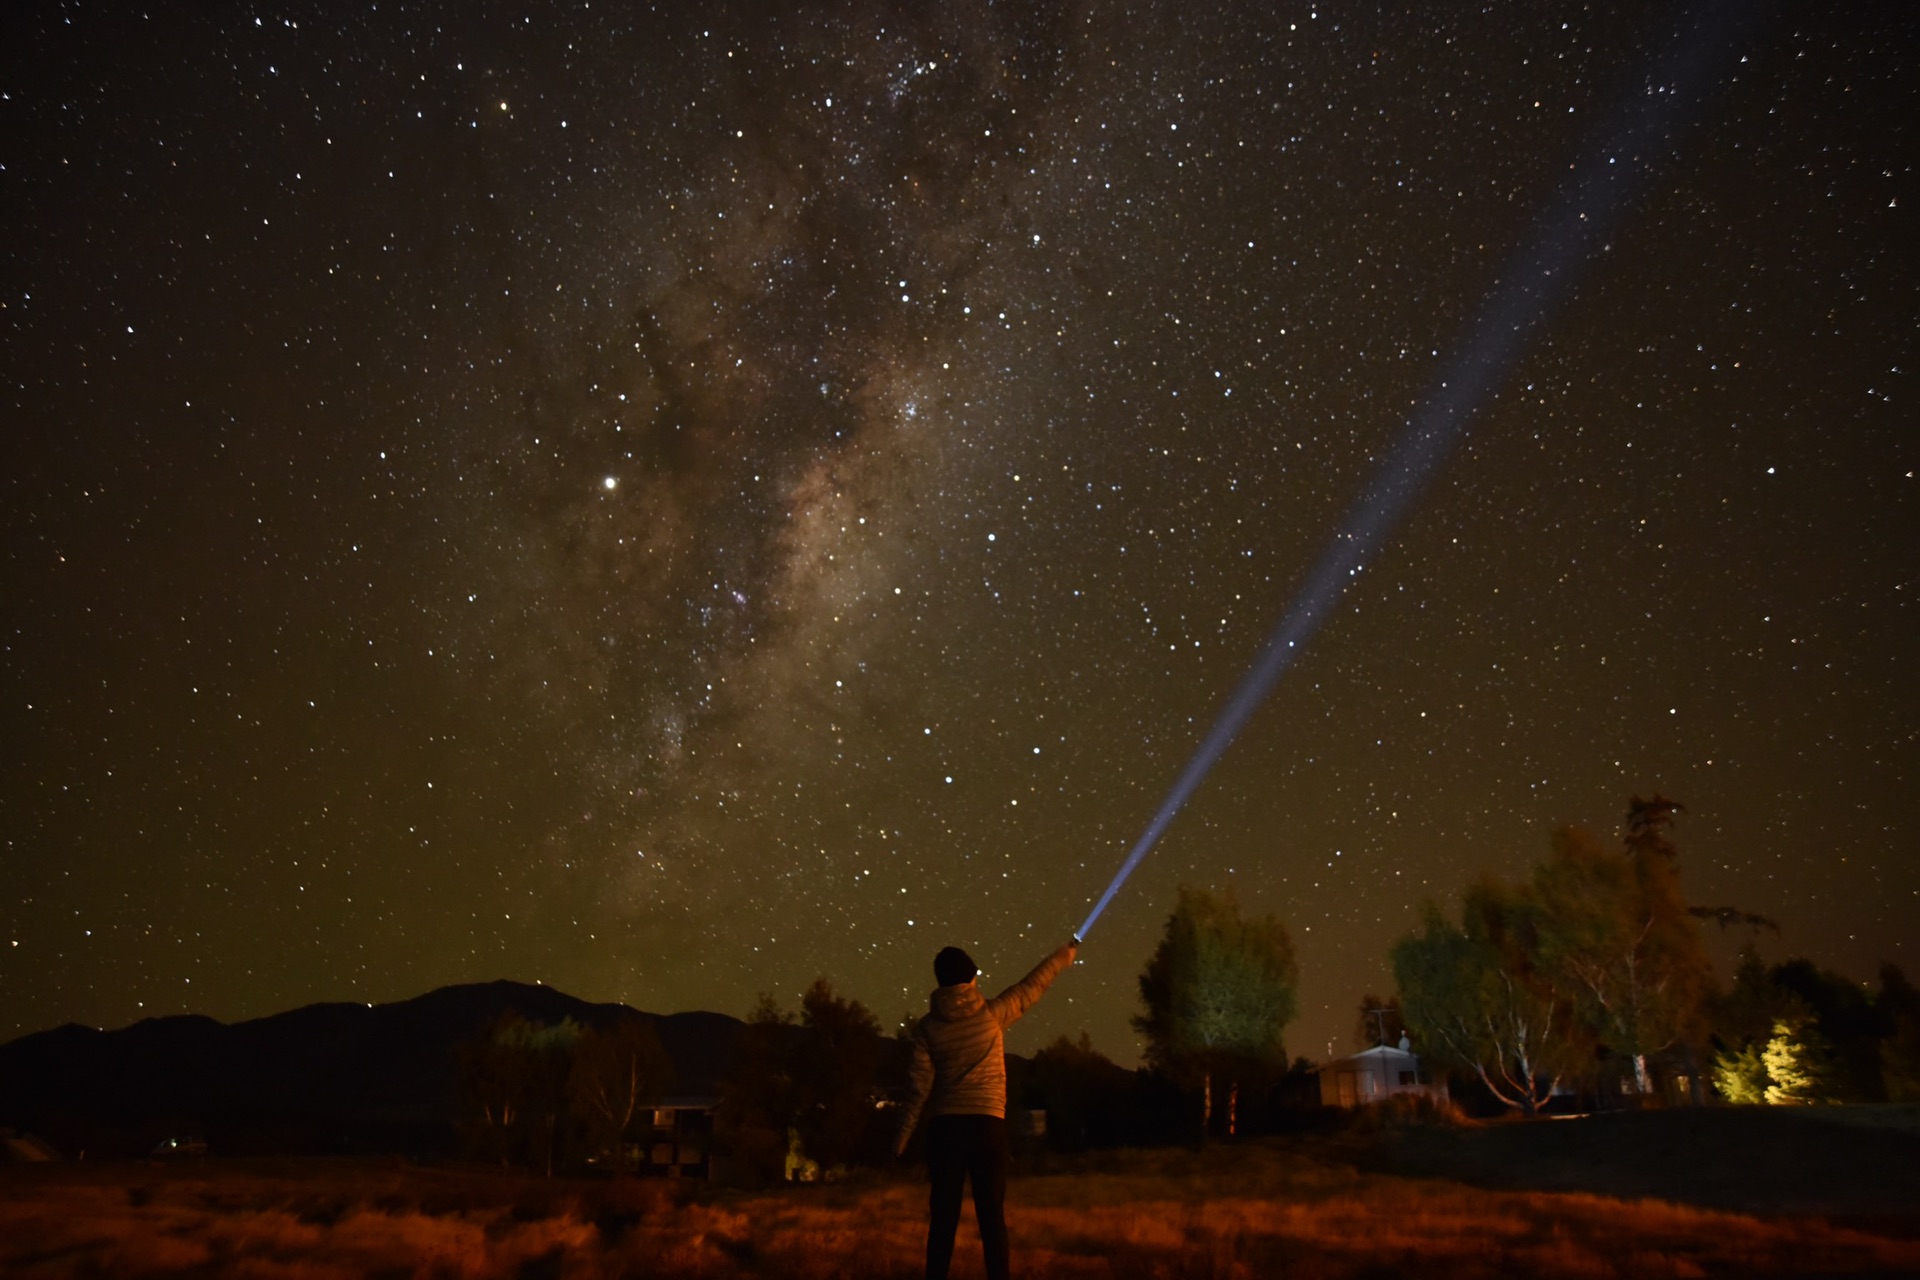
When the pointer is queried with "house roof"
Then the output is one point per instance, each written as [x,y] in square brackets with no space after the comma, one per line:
[686,1102]
[1380,1055]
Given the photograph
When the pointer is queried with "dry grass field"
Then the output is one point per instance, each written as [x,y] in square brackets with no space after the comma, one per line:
[1299,1209]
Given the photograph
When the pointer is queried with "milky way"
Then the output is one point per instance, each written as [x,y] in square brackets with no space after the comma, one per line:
[671,505]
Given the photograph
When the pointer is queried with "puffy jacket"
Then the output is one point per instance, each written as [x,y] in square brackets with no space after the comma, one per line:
[959,1048]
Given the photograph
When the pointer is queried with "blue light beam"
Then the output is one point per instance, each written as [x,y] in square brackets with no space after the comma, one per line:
[1523,297]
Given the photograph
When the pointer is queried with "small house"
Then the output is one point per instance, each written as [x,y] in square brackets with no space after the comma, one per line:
[1376,1074]
[681,1143]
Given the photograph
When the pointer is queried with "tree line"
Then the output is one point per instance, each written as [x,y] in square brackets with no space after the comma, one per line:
[1591,976]
[813,1092]
[1588,976]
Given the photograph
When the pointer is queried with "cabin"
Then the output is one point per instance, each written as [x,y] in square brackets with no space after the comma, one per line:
[681,1141]
[1376,1074]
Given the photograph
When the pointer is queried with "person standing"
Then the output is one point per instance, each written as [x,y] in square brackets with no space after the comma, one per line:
[959,1080]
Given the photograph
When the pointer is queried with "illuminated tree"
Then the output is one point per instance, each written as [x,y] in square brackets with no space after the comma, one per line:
[1743,1022]
[1219,990]
[1741,1075]
[1799,1065]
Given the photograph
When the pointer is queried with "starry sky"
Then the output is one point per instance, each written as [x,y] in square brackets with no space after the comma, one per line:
[670,502]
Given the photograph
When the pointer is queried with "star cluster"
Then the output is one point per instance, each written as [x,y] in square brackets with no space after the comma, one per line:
[669,504]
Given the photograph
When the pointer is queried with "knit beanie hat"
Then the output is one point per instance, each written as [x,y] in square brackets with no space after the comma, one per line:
[953,967]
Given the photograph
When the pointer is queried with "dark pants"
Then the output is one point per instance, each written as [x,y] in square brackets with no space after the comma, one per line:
[958,1148]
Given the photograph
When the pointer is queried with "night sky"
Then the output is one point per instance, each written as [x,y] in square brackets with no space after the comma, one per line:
[673,503]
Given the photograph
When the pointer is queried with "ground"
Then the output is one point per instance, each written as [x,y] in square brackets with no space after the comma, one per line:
[1678,1193]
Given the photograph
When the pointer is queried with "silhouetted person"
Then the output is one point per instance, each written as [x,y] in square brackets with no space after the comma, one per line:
[960,1080]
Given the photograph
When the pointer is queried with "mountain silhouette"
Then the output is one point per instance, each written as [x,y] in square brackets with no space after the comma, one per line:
[323,1078]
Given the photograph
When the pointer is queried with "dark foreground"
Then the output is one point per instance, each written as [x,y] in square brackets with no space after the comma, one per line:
[1858,1164]
[1398,1202]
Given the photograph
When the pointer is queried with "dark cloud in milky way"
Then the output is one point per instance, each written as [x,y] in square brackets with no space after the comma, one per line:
[722,511]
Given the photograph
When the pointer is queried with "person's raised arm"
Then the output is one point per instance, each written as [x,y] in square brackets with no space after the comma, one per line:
[1018,998]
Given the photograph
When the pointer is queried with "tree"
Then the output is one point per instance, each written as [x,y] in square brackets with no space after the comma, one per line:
[1899,1008]
[1647,824]
[836,1074]
[814,1083]
[1477,996]
[1087,1097]
[1793,1066]
[1730,917]
[1816,1035]
[616,1069]
[1741,1075]
[1616,930]
[1799,1065]
[758,1099]
[514,1076]
[1744,1015]
[1219,990]
[1848,1022]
